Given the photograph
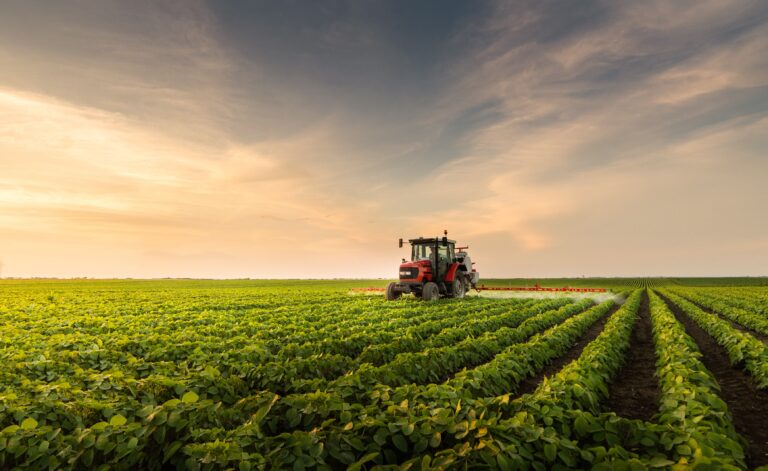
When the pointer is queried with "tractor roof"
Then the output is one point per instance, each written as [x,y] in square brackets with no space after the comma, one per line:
[431,240]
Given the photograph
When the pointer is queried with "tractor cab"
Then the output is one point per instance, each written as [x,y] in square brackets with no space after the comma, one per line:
[439,253]
[436,269]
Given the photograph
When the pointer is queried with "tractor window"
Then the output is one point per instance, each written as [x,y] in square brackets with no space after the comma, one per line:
[421,252]
[442,252]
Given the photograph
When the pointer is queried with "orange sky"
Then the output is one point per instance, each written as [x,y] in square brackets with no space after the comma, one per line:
[150,141]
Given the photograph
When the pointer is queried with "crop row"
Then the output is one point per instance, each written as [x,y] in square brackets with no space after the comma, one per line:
[387,431]
[437,390]
[749,298]
[414,341]
[91,353]
[749,319]
[690,403]
[334,338]
[741,346]
[470,430]
[559,425]
[509,368]
[434,364]
[311,410]
[289,375]
[147,431]
[90,392]
[171,332]
[749,301]
[693,427]
[106,373]
[352,392]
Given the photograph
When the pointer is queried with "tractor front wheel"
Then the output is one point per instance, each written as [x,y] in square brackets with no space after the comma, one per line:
[392,292]
[430,291]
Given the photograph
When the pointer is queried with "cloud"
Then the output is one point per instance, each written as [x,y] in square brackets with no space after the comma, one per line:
[599,110]
[157,63]
[213,140]
[70,170]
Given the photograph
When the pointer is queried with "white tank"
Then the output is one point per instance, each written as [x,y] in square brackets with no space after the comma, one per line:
[466,262]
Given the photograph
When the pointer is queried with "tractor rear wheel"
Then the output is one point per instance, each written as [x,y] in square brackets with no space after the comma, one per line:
[430,291]
[459,289]
[392,292]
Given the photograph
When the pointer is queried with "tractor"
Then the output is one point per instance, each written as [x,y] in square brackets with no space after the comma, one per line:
[437,269]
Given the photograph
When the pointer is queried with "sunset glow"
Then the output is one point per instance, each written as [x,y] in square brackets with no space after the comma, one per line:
[244,140]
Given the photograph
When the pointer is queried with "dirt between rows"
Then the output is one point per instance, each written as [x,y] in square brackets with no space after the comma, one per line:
[635,392]
[747,404]
[529,384]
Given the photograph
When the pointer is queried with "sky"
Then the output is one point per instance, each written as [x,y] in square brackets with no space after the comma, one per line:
[274,139]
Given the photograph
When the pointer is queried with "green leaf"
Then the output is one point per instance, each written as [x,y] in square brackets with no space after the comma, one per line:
[117,420]
[171,450]
[359,463]
[264,409]
[567,458]
[189,397]
[10,429]
[380,437]
[550,452]
[660,462]
[647,441]
[29,424]
[99,426]
[684,450]
[400,442]
[581,425]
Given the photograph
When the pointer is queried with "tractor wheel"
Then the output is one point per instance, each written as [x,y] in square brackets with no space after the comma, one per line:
[459,289]
[392,293]
[430,291]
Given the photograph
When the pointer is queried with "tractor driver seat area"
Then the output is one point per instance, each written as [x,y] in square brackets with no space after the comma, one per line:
[442,261]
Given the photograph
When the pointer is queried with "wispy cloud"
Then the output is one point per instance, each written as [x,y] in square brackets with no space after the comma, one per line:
[209,140]
[608,107]
[72,171]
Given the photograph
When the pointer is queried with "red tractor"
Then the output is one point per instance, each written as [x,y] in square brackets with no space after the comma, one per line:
[437,269]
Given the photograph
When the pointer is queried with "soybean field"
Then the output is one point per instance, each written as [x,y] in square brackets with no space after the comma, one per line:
[241,374]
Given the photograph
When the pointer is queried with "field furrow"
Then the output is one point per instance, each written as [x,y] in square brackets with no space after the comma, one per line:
[635,391]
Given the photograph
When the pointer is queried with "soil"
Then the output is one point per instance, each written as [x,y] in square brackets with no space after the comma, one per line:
[635,392]
[529,384]
[747,404]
